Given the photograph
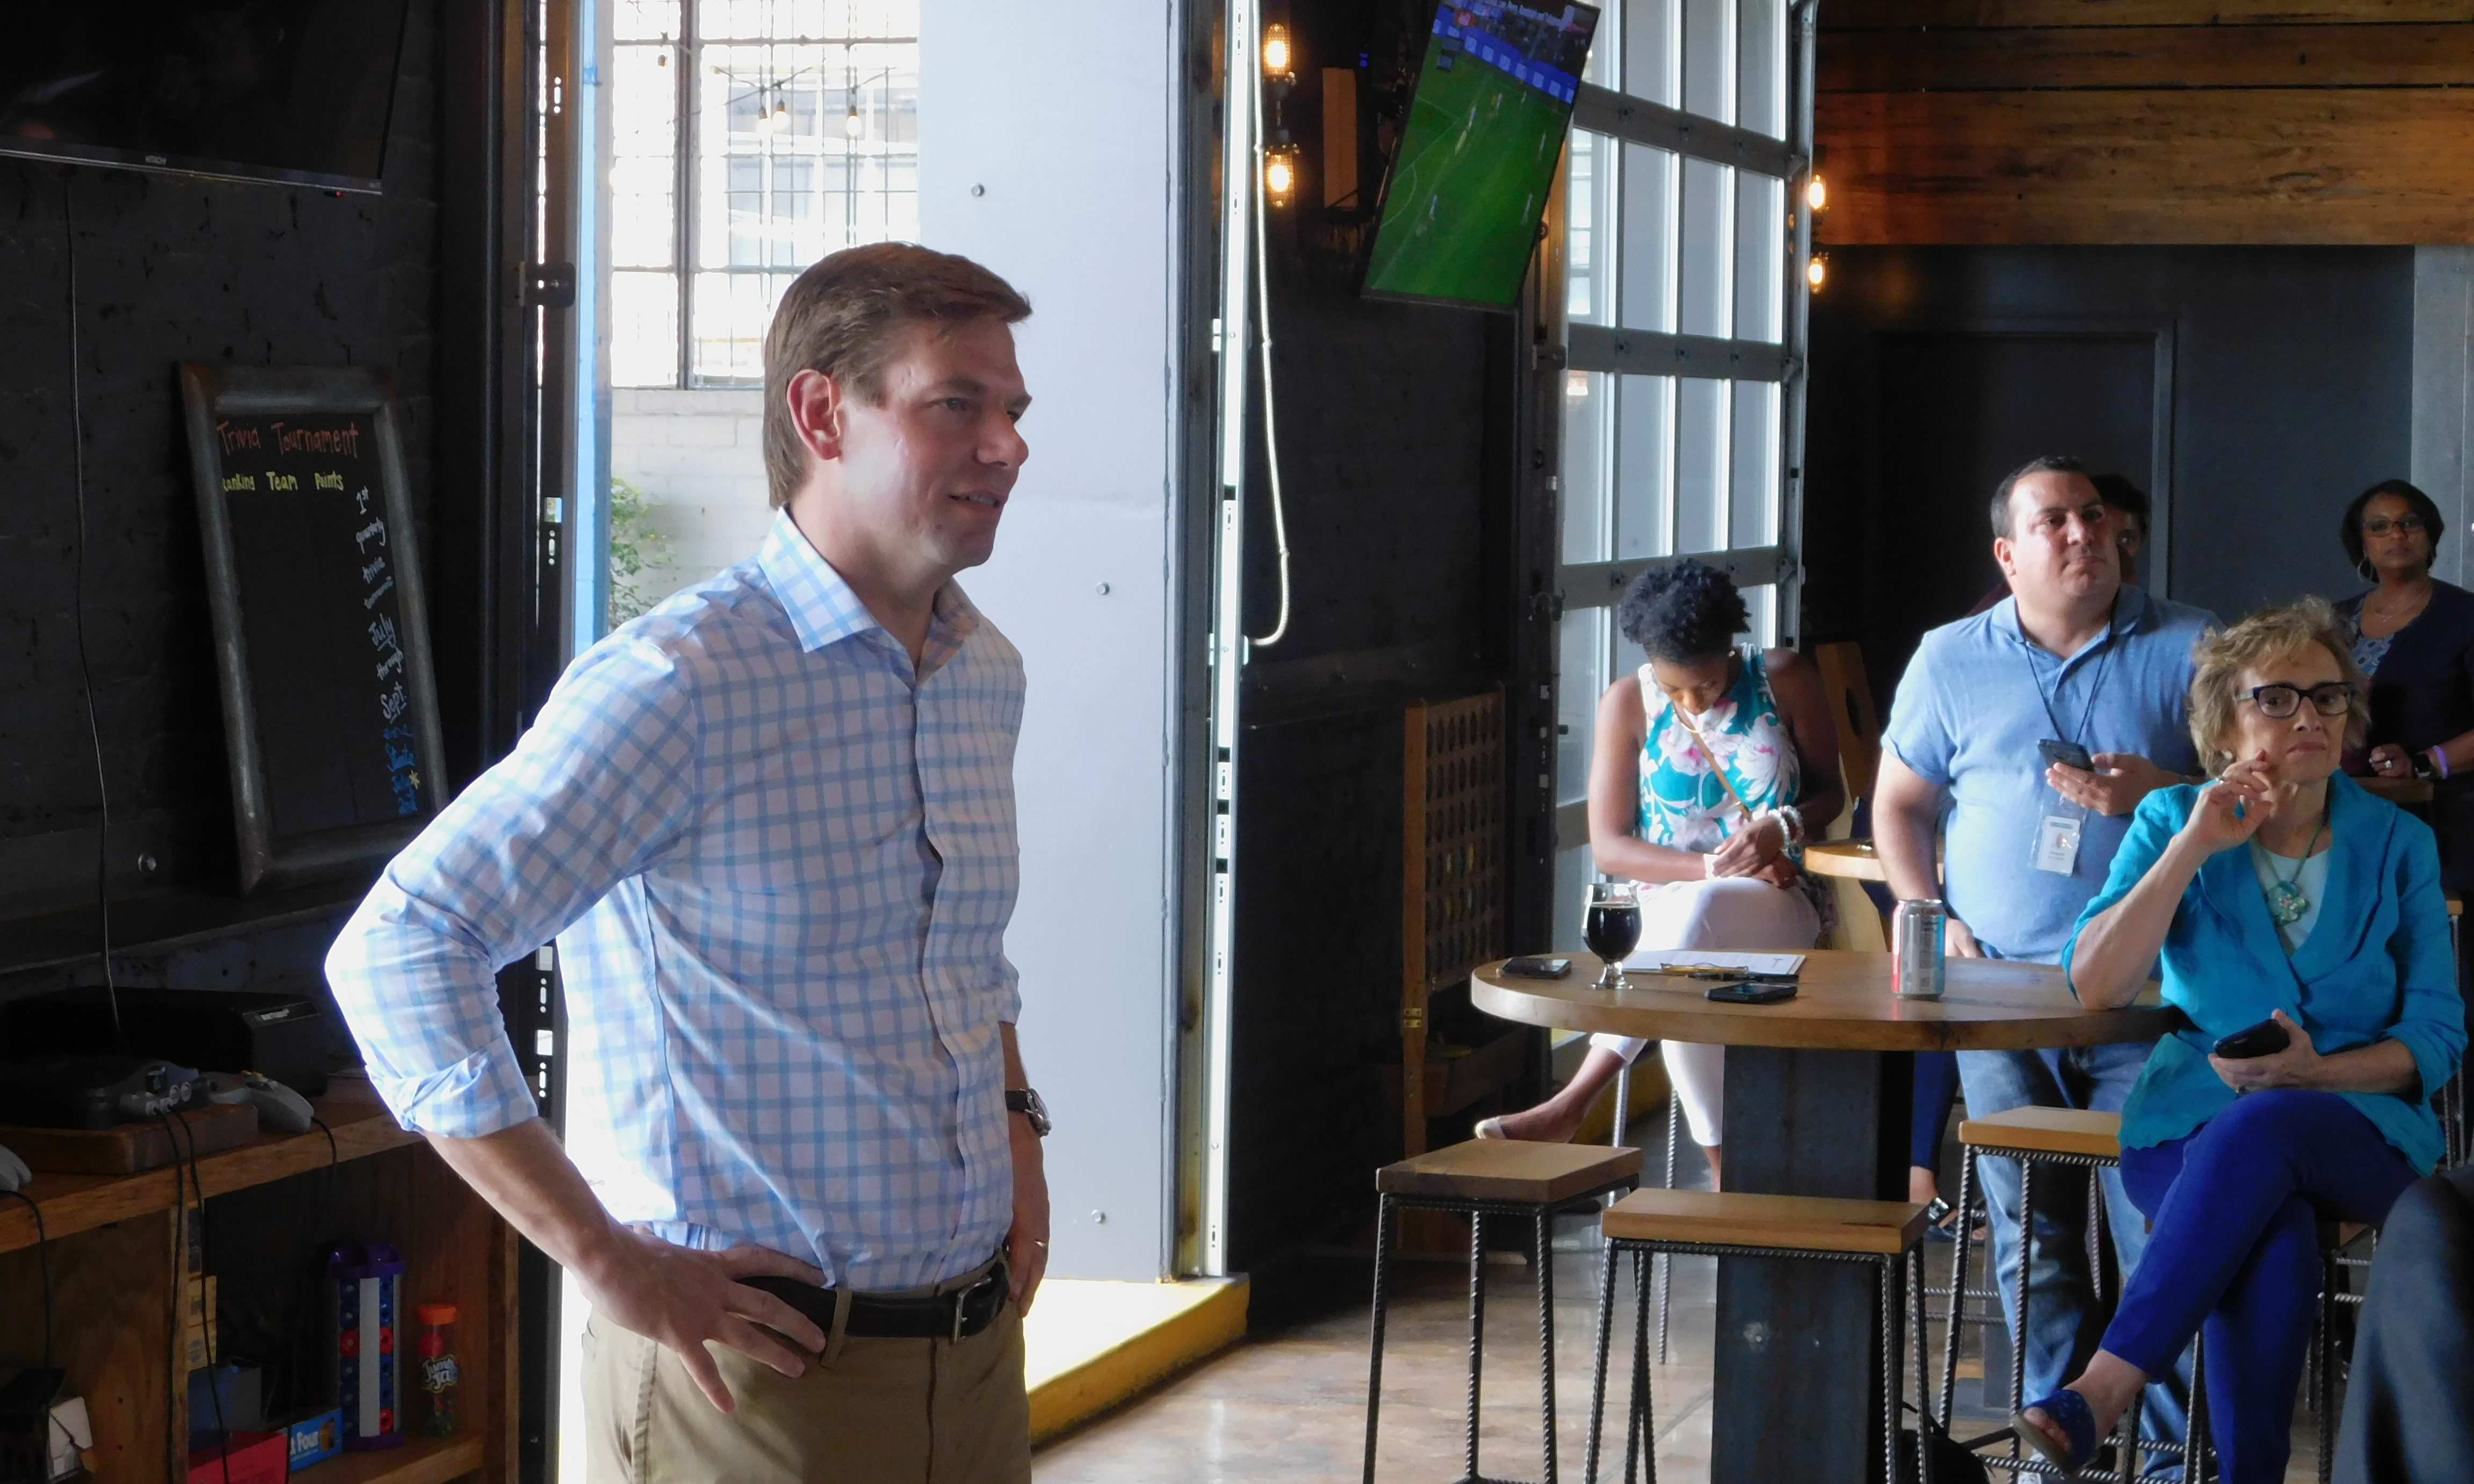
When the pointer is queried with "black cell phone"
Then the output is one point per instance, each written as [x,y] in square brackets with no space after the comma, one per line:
[1537,967]
[2068,754]
[2263,1039]
[1745,992]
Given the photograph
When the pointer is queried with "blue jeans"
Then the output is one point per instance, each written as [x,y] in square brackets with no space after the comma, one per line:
[2237,1245]
[2064,1325]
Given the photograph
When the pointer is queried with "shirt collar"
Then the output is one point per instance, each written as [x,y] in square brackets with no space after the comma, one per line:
[822,608]
[2132,610]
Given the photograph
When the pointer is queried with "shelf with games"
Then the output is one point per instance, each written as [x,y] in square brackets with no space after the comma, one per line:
[116,1254]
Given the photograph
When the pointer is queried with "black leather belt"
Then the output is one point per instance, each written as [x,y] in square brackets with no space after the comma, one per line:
[955,1316]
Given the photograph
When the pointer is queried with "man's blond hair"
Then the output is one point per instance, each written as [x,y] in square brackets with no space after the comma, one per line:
[2265,637]
[844,317]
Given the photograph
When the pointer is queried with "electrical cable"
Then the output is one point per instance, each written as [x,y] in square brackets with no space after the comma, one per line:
[85,670]
[1263,318]
[207,1327]
[43,1261]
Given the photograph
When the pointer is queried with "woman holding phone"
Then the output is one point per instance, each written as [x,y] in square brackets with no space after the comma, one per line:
[1711,764]
[2304,932]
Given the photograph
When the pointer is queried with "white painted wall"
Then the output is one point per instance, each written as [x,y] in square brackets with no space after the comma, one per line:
[699,456]
[1064,120]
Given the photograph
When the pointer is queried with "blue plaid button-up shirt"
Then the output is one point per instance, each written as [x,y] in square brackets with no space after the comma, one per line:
[779,863]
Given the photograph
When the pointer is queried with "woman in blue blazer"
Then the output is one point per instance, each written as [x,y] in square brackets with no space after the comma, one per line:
[2280,892]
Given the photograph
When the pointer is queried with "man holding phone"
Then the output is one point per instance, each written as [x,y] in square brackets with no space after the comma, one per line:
[2022,739]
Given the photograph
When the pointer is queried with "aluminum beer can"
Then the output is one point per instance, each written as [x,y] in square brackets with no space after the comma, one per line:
[1916,933]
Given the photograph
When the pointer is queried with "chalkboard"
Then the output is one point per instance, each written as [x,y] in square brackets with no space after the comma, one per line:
[322,638]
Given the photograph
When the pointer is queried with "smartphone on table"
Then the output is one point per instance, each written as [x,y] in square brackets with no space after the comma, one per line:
[1746,993]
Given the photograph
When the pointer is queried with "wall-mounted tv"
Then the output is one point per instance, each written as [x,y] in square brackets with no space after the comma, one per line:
[1477,155]
[293,90]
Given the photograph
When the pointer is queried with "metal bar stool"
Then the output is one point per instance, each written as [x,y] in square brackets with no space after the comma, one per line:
[1674,1122]
[2338,1255]
[1492,1177]
[2071,1139]
[1694,1222]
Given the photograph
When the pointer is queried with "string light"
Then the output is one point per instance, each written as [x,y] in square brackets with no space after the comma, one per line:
[1279,175]
[1275,50]
[1817,271]
[854,126]
[1816,194]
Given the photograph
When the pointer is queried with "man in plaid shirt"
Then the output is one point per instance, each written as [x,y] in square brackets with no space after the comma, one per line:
[771,824]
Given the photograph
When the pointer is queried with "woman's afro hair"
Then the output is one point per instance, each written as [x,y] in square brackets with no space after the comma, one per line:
[1683,613]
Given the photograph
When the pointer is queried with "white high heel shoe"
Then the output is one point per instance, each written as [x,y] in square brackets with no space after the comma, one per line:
[1490,1128]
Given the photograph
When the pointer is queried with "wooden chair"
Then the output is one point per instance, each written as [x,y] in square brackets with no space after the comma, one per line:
[1492,1177]
[1649,1223]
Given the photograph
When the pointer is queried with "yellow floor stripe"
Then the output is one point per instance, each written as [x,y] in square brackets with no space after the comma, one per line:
[1091,1346]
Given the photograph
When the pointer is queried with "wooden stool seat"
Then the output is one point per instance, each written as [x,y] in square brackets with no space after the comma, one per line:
[2047,1130]
[1514,1170]
[1850,858]
[1813,1223]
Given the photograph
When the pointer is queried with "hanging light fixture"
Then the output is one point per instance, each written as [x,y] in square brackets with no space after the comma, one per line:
[1275,51]
[1817,271]
[1816,194]
[1280,173]
[854,123]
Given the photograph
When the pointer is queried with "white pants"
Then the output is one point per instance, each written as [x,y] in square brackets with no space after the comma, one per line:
[1738,916]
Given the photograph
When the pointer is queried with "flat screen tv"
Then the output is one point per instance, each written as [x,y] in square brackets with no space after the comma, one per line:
[1477,157]
[292,91]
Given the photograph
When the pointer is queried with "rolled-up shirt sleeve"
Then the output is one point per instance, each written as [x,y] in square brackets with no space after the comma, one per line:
[2430,1015]
[600,785]
[1919,732]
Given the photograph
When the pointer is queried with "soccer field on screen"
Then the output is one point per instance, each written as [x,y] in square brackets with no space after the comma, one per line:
[1475,164]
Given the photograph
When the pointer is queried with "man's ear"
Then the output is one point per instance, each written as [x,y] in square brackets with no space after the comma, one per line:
[2004,557]
[817,410]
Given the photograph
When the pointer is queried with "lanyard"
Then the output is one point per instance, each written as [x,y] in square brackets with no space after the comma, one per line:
[2096,687]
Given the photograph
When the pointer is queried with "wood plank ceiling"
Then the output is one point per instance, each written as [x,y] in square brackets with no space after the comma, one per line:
[2146,121]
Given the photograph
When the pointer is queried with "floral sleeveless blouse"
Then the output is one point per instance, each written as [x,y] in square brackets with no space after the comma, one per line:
[1683,804]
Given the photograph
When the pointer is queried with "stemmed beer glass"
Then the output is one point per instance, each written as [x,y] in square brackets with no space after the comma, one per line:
[1612,928]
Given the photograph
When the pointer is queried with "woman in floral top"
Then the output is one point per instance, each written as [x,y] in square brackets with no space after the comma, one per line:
[1710,764]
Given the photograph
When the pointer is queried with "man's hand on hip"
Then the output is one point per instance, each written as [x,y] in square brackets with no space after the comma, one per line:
[1027,1243]
[684,1298]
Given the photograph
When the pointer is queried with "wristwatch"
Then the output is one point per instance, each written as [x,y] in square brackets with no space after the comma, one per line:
[1024,1101]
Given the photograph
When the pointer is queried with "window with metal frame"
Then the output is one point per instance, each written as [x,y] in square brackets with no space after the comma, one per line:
[1684,311]
[748,138]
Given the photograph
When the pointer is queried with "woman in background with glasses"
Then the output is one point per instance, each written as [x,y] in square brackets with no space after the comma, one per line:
[1711,765]
[2285,902]
[2414,636]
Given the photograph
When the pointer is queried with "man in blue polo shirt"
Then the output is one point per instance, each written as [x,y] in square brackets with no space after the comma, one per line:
[2073,656]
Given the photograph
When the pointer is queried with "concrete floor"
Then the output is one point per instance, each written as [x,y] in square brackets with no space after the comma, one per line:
[1290,1402]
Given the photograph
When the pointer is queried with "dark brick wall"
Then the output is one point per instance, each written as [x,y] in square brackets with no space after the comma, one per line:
[1394,446]
[167,269]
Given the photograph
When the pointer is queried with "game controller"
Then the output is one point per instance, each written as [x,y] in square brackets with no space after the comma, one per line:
[14,1173]
[278,1106]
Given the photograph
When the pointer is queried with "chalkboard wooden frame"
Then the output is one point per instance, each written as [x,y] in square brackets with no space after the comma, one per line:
[211,393]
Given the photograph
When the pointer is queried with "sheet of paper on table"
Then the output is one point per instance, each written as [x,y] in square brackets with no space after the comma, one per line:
[1710,958]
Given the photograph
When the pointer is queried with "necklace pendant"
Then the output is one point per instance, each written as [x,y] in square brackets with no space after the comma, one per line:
[2285,904]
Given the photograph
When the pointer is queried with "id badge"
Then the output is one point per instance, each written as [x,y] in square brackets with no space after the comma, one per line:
[2057,845]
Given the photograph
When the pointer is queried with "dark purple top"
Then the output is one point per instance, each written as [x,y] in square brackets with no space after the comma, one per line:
[2422,694]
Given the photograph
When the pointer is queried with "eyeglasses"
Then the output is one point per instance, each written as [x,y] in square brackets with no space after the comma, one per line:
[2381,525]
[2276,703]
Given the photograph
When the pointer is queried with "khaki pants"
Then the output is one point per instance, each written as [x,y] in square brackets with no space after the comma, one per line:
[882,1412]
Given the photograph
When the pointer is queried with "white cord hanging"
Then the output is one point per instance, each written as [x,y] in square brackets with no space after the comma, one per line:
[1263,316]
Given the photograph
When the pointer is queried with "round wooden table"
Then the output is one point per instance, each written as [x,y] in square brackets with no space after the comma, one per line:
[1814,1108]
[1844,1002]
